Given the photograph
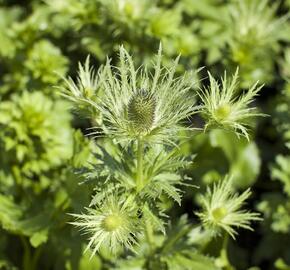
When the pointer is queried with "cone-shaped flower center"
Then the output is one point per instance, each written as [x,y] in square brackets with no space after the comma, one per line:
[222,112]
[112,222]
[141,110]
[88,92]
[219,213]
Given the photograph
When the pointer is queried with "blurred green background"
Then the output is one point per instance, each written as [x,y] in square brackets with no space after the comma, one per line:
[42,140]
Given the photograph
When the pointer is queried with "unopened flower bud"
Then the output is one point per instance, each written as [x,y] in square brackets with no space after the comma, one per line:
[141,110]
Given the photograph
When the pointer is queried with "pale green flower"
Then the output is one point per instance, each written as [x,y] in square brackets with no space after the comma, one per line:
[139,105]
[84,91]
[127,11]
[223,106]
[221,209]
[113,224]
[255,21]
[254,35]
[85,88]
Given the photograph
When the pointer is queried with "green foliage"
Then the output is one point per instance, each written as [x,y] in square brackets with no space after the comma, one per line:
[254,36]
[44,61]
[141,113]
[242,157]
[146,137]
[35,132]
[155,116]
[35,227]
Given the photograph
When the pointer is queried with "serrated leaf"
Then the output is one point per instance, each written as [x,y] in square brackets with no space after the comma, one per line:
[12,219]
[153,219]
[38,238]
[189,260]
[170,190]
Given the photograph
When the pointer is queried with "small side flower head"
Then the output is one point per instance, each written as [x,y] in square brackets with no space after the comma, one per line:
[255,22]
[85,88]
[223,107]
[139,104]
[113,224]
[221,209]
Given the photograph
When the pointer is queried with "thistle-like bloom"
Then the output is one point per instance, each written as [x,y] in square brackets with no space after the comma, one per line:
[113,224]
[222,209]
[224,108]
[86,87]
[137,104]
[255,21]
[253,38]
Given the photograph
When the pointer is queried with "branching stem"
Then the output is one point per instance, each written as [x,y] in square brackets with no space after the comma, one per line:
[168,245]
[139,185]
[140,153]
[150,236]
[224,253]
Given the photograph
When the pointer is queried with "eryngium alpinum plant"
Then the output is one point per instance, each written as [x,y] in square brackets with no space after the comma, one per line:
[142,114]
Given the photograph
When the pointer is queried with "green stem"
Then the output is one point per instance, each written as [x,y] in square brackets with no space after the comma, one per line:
[177,236]
[26,260]
[29,261]
[140,153]
[139,185]
[225,244]
[35,258]
[224,253]
[150,236]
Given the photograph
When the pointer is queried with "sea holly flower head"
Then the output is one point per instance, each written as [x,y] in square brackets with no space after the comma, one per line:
[253,38]
[223,107]
[85,88]
[141,110]
[255,22]
[137,104]
[221,209]
[113,223]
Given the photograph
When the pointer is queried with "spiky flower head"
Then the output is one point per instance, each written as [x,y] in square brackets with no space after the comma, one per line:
[223,107]
[112,224]
[254,21]
[127,11]
[141,110]
[221,209]
[138,104]
[86,86]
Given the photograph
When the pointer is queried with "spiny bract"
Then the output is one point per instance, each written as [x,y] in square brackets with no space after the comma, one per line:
[255,21]
[222,208]
[137,104]
[113,223]
[223,107]
[86,86]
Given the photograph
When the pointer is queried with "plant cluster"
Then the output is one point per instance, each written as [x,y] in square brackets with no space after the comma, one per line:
[160,164]
[143,113]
